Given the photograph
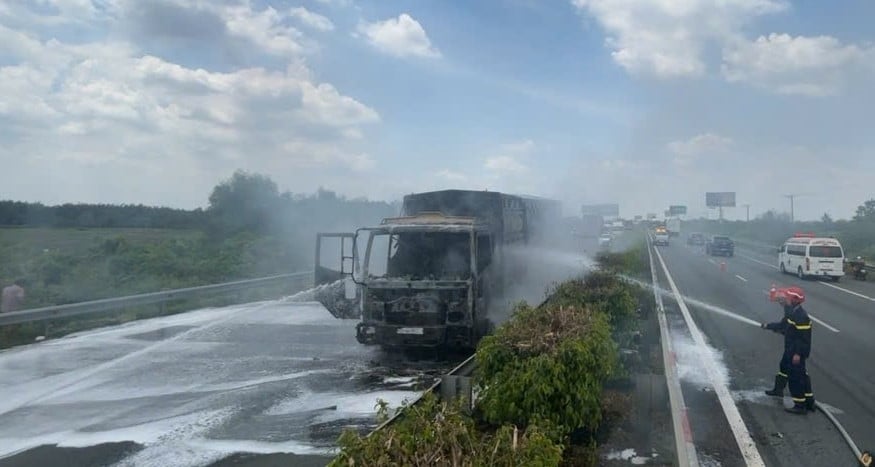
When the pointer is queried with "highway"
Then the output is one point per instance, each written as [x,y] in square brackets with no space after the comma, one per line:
[275,377]
[748,357]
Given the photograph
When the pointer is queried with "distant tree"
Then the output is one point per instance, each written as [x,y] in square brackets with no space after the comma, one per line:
[826,219]
[244,202]
[866,211]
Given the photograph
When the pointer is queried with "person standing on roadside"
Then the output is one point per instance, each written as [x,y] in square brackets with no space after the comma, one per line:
[796,328]
[13,297]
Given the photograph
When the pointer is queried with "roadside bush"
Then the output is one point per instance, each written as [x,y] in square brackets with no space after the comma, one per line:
[632,262]
[546,366]
[605,292]
[437,433]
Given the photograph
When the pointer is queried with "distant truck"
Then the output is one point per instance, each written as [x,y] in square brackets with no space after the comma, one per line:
[673,225]
[591,225]
[660,236]
[427,277]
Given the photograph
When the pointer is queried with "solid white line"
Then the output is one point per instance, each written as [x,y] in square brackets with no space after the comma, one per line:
[760,262]
[849,291]
[682,434]
[822,323]
[741,278]
[742,436]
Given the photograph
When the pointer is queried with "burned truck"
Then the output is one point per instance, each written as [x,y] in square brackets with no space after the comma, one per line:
[427,278]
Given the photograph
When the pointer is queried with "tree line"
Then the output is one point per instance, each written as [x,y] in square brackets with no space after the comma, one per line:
[249,229]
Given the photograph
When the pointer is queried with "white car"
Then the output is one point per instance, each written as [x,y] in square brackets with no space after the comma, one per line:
[809,256]
[605,241]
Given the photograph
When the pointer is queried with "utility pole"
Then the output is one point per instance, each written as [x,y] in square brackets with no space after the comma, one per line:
[792,199]
[747,207]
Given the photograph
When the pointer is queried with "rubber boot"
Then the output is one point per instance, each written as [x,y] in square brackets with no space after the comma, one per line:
[797,409]
[778,390]
[809,404]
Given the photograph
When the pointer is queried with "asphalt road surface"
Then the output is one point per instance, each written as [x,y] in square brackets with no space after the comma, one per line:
[192,389]
[840,365]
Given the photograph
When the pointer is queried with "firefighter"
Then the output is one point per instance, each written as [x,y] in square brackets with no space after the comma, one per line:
[796,328]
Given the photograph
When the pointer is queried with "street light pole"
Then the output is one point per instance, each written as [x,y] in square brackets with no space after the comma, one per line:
[747,208]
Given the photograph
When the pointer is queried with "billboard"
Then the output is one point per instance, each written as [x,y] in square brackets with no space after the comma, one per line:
[677,210]
[607,210]
[724,199]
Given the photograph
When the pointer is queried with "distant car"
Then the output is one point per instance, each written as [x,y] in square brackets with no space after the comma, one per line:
[605,240]
[696,238]
[720,245]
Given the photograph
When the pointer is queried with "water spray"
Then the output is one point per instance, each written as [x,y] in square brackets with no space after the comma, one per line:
[696,302]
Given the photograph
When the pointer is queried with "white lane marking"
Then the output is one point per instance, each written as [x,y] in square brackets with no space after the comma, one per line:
[741,278]
[758,261]
[822,323]
[682,434]
[742,436]
[866,297]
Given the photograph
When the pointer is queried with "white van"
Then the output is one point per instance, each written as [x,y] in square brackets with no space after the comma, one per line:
[808,256]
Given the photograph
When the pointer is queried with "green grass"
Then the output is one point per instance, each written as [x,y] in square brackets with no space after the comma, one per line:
[79,240]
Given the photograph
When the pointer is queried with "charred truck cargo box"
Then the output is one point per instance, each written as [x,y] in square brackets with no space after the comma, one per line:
[426,278]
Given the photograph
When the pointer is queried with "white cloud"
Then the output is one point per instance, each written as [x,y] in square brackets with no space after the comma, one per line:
[700,145]
[813,66]
[401,37]
[505,164]
[313,20]
[452,176]
[266,29]
[106,122]
[667,38]
[511,158]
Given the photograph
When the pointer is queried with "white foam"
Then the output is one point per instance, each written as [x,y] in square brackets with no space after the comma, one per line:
[629,455]
[145,433]
[691,362]
[346,404]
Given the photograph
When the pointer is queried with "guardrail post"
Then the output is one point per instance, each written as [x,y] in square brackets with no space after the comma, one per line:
[453,387]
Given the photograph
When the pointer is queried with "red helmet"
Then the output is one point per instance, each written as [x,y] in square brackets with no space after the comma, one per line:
[794,295]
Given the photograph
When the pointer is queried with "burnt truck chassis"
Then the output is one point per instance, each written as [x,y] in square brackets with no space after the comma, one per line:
[423,313]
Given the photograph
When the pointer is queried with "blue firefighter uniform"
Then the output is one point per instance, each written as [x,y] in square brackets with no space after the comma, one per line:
[796,328]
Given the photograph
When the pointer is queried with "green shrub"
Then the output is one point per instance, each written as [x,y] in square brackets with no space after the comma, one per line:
[546,365]
[632,262]
[605,292]
[437,433]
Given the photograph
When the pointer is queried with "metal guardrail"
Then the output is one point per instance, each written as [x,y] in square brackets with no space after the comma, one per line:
[116,303]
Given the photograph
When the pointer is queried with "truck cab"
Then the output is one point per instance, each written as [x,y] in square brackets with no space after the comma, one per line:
[423,281]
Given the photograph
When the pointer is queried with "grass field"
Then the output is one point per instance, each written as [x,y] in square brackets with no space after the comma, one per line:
[75,241]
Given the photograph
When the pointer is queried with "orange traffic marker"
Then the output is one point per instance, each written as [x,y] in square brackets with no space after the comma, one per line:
[773,293]
[723,266]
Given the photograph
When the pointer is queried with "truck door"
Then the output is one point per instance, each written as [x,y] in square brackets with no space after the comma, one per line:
[336,262]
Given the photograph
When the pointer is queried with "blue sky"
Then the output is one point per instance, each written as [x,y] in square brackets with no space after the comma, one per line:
[642,102]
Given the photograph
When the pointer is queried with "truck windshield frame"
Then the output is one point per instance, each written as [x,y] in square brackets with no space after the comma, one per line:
[422,254]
